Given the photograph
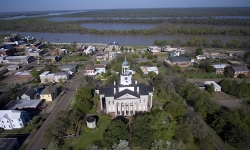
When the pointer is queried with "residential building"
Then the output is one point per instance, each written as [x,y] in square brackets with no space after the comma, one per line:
[200,57]
[49,93]
[9,144]
[70,69]
[174,53]
[92,70]
[60,76]
[13,119]
[22,104]
[7,52]
[101,57]
[201,85]
[216,86]
[126,97]
[29,94]
[146,69]
[181,61]
[114,44]
[150,48]
[112,55]
[234,71]
[58,52]
[34,52]
[23,75]
[13,67]
[219,69]
[52,58]
[89,50]
[17,59]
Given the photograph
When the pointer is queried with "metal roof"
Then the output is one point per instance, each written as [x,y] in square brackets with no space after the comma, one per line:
[180,58]
[20,104]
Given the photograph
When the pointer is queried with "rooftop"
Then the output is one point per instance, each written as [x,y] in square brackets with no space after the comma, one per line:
[20,104]
[240,68]
[6,143]
[212,82]
[17,57]
[44,73]
[49,90]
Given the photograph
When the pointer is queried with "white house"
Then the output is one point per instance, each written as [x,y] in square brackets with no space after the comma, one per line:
[200,57]
[174,53]
[216,86]
[13,67]
[92,70]
[60,75]
[13,119]
[146,69]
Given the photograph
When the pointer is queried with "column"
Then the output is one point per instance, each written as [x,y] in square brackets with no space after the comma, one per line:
[129,108]
[101,102]
[116,109]
[121,109]
[133,108]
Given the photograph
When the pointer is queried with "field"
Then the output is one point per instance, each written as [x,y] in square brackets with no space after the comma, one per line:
[87,135]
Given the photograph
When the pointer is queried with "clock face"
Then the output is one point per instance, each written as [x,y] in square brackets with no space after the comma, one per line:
[126,78]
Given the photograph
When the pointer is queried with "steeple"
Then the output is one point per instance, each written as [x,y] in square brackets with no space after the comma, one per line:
[126,76]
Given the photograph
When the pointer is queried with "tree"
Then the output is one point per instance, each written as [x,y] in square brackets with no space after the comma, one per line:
[151,74]
[122,145]
[207,66]
[243,89]
[141,133]
[113,49]
[130,49]
[210,88]
[163,125]
[241,76]
[126,48]
[198,51]
[116,131]
[35,74]
[122,49]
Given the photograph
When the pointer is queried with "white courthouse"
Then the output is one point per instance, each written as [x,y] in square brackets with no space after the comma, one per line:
[126,97]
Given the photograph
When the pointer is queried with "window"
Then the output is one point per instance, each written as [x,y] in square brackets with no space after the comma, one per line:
[9,126]
[13,125]
[113,102]
[109,102]
[2,122]
[21,124]
[7,121]
[4,126]
[11,120]
[19,119]
[140,101]
[144,101]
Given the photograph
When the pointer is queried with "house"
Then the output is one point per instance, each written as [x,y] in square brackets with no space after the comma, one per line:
[174,53]
[114,44]
[23,75]
[20,92]
[22,104]
[9,143]
[47,77]
[234,71]
[7,52]
[49,93]
[112,55]
[146,69]
[13,119]
[34,52]
[13,67]
[126,97]
[29,94]
[181,61]
[17,59]
[101,57]
[90,50]
[219,69]
[60,76]
[216,86]
[150,48]
[200,57]
[70,69]
[93,70]
[58,52]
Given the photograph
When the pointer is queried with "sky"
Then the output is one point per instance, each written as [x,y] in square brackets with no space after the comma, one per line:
[48,5]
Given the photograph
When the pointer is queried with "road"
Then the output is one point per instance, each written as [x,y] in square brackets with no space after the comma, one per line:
[37,141]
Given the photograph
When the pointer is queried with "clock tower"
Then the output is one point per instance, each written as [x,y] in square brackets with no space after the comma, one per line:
[126,76]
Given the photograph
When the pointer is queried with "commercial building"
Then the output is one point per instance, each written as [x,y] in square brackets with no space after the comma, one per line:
[17,59]
[219,69]
[13,119]
[181,61]
[126,97]
[114,44]
[234,71]
[23,75]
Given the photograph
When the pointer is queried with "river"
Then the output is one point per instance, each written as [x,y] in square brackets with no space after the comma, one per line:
[121,39]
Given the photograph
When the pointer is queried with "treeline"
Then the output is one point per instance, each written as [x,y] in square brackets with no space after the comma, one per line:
[41,25]
[165,12]
[199,42]
[175,21]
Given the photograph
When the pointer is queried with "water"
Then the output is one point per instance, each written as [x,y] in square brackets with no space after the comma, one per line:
[117,26]
[121,39]
[59,19]
[48,14]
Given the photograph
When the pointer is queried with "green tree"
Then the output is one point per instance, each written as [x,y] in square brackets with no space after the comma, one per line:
[116,131]
[151,74]
[126,48]
[198,51]
[207,66]
[243,89]
[130,49]
[141,133]
[210,88]
[122,49]
[163,125]
[113,49]
[35,74]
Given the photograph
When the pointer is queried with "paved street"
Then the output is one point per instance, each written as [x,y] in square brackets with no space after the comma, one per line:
[37,141]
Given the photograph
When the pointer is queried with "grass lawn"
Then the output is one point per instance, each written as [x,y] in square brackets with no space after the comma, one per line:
[86,138]
[191,145]
[23,130]
[203,75]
